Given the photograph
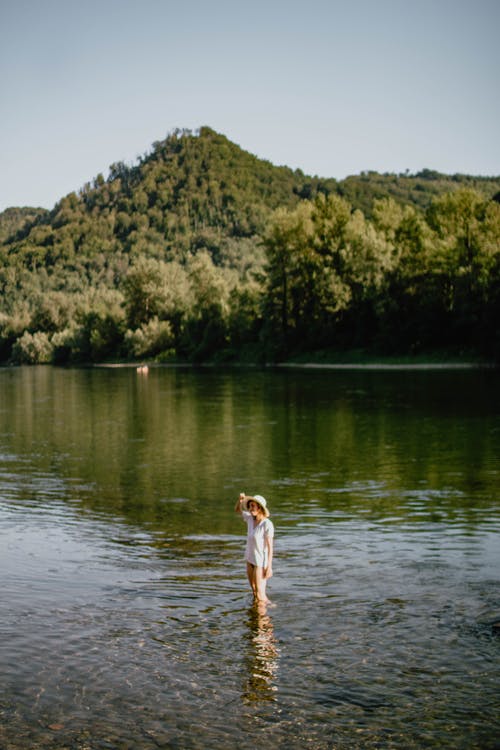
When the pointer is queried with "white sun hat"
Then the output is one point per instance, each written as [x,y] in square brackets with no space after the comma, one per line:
[259,500]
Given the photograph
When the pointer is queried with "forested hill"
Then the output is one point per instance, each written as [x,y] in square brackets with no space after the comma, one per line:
[193,189]
[202,250]
[189,191]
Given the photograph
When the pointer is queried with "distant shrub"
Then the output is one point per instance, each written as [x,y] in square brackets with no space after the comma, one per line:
[32,349]
[152,338]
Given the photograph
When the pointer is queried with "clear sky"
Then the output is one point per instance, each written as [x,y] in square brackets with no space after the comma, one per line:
[333,87]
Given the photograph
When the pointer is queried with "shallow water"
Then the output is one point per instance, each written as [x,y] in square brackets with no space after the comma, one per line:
[126,620]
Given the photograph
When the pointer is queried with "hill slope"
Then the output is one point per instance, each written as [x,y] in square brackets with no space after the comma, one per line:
[15,220]
[192,191]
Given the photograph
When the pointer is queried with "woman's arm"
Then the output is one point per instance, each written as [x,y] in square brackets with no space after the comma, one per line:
[239,502]
[268,571]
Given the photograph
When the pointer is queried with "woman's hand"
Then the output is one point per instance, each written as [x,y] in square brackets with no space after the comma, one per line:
[268,572]
[239,502]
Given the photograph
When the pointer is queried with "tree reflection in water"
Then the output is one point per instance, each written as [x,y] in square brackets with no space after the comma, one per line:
[262,657]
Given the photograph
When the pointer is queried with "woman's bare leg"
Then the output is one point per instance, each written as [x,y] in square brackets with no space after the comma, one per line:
[251,570]
[260,584]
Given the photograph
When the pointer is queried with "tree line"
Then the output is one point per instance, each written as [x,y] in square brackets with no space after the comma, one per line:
[204,252]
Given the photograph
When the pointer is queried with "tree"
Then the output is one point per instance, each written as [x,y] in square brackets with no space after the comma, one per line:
[206,327]
[287,239]
[469,231]
[153,288]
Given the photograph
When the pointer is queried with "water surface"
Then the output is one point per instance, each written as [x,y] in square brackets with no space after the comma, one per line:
[126,620]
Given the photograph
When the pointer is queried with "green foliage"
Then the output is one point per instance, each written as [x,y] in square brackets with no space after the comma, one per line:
[202,251]
[151,339]
[288,246]
[14,220]
[206,328]
[153,288]
[32,349]
[65,345]
[324,259]
[101,326]
[398,283]
[418,190]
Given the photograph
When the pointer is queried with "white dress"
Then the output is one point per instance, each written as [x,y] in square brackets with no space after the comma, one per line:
[256,550]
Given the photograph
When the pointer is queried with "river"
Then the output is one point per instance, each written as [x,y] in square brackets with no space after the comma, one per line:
[126,619]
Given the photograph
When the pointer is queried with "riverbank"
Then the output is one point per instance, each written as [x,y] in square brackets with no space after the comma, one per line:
[387,365]
[324,359]
[143,367]
[438,359]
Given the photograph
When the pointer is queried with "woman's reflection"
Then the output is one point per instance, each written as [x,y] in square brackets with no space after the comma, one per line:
[261,657]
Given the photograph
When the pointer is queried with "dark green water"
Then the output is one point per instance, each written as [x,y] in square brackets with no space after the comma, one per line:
[125,616]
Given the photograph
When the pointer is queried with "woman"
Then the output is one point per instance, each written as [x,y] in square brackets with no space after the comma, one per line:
[259,549]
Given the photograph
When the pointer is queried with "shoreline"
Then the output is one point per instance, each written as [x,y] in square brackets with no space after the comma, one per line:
[389,366]
[144,365]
